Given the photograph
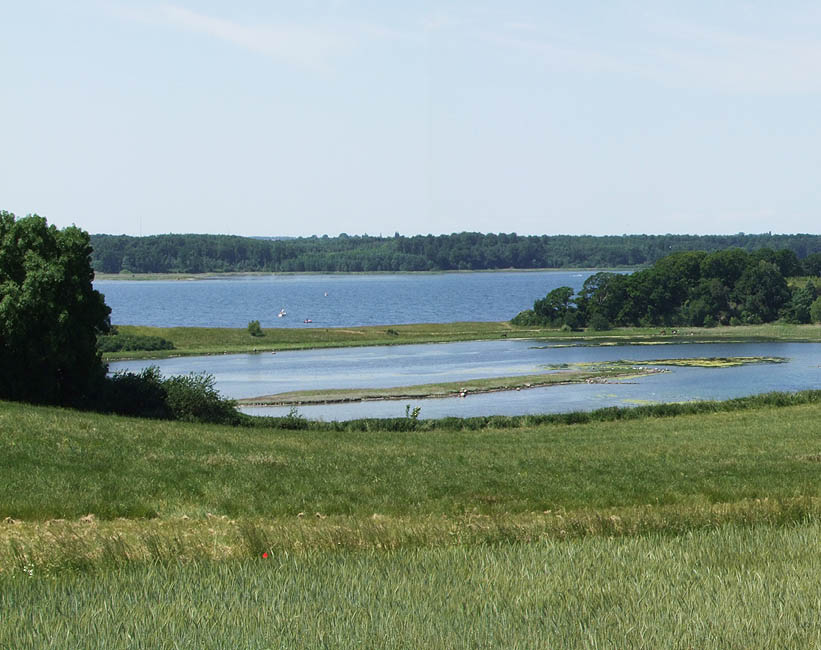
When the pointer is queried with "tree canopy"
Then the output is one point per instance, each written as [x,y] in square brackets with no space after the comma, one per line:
[693,288]
[50,315]
[458,251]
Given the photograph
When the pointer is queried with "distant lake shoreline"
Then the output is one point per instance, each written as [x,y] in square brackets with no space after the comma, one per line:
[140,277]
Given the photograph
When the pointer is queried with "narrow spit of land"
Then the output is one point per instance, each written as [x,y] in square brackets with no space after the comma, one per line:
[189,341]
[601,372]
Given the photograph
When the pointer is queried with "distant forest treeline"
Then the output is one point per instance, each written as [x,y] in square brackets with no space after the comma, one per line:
[459,251]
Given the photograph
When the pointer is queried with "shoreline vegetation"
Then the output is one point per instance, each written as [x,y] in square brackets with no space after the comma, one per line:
[196,341]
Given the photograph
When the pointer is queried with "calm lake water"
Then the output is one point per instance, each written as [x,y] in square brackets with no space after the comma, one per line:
[262,374]
[331,300]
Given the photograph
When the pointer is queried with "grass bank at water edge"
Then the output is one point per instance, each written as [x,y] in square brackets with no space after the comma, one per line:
[213,340]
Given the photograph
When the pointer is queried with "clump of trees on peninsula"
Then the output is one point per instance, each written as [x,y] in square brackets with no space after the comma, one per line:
[728,287]
[456,252]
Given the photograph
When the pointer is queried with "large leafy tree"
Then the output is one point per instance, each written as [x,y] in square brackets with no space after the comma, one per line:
[554,307]
[50,314]
[760,292]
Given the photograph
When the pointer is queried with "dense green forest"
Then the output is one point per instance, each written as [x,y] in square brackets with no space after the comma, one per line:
[458,251]
[728,287]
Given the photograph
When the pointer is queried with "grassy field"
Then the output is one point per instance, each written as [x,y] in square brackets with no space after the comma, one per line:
[688,531]
[64,464]
[732,587]
[213,340]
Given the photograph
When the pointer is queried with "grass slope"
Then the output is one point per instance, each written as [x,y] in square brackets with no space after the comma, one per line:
[64,464]
[690,531]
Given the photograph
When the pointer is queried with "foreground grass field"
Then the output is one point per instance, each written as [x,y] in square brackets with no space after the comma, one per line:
[689,531]
[213,340]
[732,587]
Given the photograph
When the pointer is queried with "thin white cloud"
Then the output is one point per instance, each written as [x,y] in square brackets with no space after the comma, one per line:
[723,59]
[312,45]
[680,55]
[294,43]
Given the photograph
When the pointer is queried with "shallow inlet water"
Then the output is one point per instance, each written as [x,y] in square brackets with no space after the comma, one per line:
[250,375]
[331,300]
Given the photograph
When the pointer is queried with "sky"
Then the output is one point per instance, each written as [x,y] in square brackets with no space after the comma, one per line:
[273,118]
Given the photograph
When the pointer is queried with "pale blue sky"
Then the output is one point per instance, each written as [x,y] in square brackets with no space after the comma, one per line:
[300,118]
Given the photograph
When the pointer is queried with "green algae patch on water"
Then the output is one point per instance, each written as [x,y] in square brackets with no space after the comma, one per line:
[694,362]
[714,362]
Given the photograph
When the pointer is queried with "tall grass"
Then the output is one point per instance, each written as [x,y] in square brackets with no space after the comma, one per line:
[731,587]
[57,547]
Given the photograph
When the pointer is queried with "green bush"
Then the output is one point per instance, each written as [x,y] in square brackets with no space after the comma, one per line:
[190,398]
[254,328]
[129,342]
[193,398]
[815,311]
[599,323]
[136,394]
[528,317]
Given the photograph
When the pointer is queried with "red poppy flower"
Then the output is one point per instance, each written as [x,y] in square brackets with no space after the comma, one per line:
[265,555]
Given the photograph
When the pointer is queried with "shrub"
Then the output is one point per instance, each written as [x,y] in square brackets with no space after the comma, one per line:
[815,311]
[254,328]
[140,395]
[193,398]
[129,342]
[599,323]
[526,318]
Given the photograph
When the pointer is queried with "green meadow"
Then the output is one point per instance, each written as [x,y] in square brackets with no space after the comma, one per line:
[694,530]
[215,340]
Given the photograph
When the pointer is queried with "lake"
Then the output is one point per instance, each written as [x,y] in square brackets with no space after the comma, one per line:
[331,300]
[250,375]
